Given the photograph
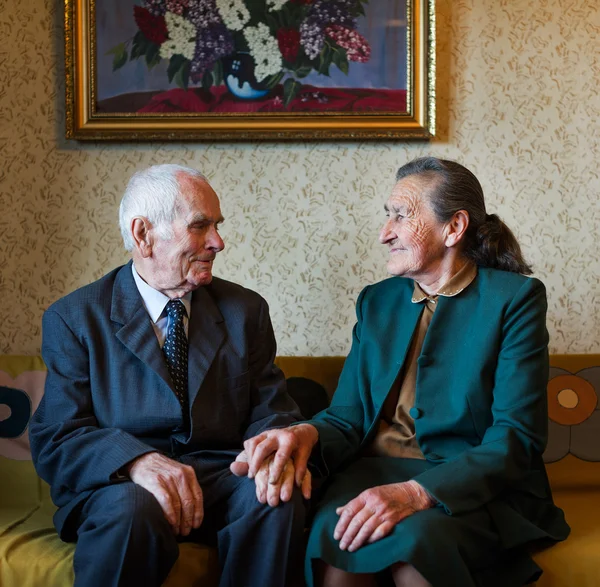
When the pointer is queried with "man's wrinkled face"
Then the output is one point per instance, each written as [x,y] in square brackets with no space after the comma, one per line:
[412,233]
[184,262]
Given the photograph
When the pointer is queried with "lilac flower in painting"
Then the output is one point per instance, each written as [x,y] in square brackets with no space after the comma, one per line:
[213,40]
[156,7]
[177,6]
[325,12]
[322,14]
[212,43]
[312,38]
[203,13]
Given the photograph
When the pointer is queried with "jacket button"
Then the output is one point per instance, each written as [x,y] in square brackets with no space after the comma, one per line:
[415,413]
[424,360]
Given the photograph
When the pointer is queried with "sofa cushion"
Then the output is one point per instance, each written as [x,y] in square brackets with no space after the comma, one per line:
[19,492]
[574,562]
[32,554]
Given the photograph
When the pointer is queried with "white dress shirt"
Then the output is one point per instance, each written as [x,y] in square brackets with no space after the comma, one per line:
[155,303]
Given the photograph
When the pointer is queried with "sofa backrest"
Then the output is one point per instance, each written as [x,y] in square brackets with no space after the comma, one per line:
[572,456]
[573,453]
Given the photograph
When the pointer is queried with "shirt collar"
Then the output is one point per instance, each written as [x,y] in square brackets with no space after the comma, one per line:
[457,283]
[154,300]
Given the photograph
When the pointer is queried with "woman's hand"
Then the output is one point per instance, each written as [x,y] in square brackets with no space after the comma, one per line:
[374,513]
[294,442]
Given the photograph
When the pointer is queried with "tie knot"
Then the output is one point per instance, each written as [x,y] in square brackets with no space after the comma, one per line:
[176,309]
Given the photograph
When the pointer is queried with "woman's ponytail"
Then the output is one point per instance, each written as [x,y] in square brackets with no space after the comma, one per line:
[494,245]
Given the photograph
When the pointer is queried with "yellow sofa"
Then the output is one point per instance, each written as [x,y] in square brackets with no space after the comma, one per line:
[32,555]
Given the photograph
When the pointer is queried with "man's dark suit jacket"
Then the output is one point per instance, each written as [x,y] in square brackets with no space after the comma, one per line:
[109,397]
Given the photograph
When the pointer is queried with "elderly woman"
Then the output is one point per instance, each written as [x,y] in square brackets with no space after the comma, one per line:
[434,438]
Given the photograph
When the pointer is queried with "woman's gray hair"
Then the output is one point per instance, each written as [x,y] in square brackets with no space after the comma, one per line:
[152,193]
[488,241]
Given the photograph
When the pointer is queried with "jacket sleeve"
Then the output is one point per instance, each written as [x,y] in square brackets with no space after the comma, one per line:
[517,436]
[272,406]
[341,426]
[70,450]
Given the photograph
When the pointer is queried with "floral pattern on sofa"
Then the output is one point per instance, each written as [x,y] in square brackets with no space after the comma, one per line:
[574,414]
[21,389]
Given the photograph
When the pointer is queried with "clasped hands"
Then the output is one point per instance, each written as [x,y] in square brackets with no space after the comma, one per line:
[278,458]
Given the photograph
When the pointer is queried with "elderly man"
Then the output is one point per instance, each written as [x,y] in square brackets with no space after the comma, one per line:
[157,373]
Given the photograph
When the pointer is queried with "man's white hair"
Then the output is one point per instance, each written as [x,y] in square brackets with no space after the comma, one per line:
[152,193]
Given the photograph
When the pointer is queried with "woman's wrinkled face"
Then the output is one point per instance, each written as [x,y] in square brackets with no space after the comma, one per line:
[413,235]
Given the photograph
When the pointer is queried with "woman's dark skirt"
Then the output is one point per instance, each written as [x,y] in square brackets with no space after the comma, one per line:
[460,550]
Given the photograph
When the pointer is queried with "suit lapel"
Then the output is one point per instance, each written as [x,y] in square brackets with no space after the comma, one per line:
[136,332]
[206,334]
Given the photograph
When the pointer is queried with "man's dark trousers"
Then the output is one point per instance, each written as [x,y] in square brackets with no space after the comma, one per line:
[123,526]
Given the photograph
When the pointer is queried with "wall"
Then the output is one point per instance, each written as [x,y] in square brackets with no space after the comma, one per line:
[518,104]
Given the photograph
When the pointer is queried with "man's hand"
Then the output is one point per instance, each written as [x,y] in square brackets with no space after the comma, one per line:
[374,513]
[272,493]
[174,486]
[295,442]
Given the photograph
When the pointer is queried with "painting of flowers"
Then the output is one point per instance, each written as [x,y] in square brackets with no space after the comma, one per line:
[261,58]
[254,54]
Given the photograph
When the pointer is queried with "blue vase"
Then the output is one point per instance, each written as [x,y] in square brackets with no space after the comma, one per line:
[239,77]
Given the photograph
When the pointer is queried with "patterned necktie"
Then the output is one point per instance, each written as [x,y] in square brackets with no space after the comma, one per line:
[175,350]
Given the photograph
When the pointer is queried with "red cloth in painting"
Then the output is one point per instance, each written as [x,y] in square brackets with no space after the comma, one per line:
[310,99]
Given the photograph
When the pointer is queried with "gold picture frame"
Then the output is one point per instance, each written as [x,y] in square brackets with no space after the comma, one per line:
[91,117]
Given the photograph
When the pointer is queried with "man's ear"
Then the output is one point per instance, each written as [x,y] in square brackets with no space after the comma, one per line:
[456,228]
[142,237]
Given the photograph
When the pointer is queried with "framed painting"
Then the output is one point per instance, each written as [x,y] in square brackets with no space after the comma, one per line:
[249,69]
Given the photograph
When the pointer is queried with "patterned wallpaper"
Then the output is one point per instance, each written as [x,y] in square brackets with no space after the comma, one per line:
[518,103]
